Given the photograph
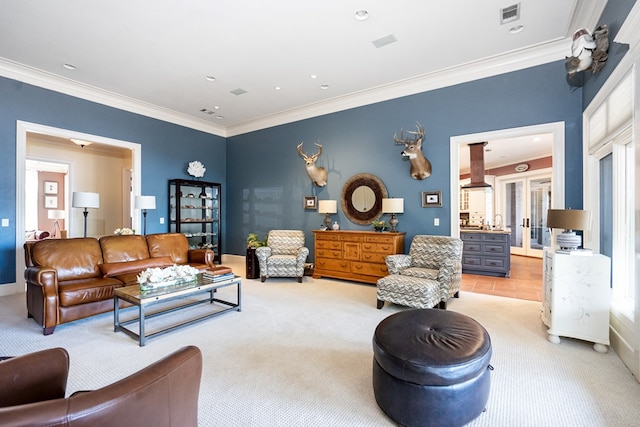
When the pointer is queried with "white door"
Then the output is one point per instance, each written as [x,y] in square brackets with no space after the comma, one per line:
[523,201]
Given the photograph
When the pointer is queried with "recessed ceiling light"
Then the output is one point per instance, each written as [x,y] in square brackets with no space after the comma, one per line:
[361,15]
[217,107]
[210,78]
[313,76]
[69,66]
[206,111]
[219,117]
[276,88]
[324,87]
[516,29]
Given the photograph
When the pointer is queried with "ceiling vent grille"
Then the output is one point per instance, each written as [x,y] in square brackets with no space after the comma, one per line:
[238,91]
[510,14]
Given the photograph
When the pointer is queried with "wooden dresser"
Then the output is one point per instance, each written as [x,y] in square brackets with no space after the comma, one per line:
[354,255]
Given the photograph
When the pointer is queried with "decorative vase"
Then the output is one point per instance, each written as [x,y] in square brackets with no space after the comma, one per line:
[335,225]
[378,229]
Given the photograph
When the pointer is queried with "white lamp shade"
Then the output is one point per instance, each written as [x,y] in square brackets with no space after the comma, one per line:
[55,214]
[393,205]
[145,202]
[83,199]
[327,206]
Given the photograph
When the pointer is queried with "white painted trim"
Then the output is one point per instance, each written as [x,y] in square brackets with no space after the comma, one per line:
[21,149]
[557,192]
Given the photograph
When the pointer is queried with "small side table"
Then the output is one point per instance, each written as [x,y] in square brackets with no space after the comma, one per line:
[576,297]
[252,265]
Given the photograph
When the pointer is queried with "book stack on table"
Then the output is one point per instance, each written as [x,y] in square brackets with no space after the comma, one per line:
[219,273]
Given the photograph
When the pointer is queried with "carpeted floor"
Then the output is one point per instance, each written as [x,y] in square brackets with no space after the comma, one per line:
[300,355]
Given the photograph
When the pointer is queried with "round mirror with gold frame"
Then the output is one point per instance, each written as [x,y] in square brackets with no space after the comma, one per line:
[362,196]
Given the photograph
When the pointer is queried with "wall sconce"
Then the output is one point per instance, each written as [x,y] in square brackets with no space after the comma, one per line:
[327,207]
[55,214]
[144,203]
[82,143]
[393,206]
[83,199]
[569,220]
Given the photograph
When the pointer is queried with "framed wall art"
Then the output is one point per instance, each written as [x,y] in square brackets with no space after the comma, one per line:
[51,202]
[50,187]
[310,202]
[431,199]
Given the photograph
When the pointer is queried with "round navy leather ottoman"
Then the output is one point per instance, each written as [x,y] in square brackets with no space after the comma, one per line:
[431,367]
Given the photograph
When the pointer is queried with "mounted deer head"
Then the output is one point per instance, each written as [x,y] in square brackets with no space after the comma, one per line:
[317,174]
[420,165]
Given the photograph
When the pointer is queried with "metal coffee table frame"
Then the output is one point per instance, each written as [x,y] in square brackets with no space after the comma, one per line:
[145,299]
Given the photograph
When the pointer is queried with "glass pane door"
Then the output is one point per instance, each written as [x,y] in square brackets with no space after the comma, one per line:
[525,202]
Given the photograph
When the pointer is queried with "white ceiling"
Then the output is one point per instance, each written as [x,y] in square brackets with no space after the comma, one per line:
[152,56]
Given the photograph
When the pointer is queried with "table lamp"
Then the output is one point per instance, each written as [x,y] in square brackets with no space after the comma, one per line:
[569,220]
[327,207]
[393,206]
[55,214]
[83,199]
[144,203]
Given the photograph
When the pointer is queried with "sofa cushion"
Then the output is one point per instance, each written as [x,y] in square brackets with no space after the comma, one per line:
[174,245]
[76,292]
[119,248]
[72,258]
[114,269]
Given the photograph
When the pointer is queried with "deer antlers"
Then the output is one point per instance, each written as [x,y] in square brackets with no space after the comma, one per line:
[419,136]
[310,158]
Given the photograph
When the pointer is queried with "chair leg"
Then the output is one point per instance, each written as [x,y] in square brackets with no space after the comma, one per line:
[263,278]
[380,304]
[442,305]
[299,279]
[456,295]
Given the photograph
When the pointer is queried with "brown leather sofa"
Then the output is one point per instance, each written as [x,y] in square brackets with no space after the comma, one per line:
[70,279]
[162,394]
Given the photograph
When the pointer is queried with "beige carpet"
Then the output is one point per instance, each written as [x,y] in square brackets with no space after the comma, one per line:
[300,355]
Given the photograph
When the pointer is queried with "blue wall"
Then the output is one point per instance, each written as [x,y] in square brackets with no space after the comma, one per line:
[166,150]
[267,180]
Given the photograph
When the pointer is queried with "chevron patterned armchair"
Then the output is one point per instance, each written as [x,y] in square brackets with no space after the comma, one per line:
[432,257]
[284,255]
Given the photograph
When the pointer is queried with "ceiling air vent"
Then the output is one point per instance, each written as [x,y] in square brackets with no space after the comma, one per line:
[510,14]
[238,91]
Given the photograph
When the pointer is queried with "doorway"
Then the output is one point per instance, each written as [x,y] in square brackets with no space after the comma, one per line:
[22,130]
[523,201]
[556,130]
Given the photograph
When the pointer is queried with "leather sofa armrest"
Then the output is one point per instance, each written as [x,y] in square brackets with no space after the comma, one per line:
[201,256]
[34,377]
[397,262]
[42,296]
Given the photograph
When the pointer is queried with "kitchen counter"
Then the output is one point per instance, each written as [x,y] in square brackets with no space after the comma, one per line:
[486,252]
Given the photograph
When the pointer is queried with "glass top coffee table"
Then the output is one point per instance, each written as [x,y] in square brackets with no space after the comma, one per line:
[186,291]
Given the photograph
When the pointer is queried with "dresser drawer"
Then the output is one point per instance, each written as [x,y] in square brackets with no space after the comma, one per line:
[327,236]
[471,261]
[385,248]
[497,263]
[333,264]
[351,238]
[472,247]
[329,253]
[369,269]
[379,239]
[329,244]
[373,257]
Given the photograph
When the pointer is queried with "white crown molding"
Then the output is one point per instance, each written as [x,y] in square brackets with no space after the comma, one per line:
[20,72]
[586,15]
[628,33]
[496,65]
[499,64]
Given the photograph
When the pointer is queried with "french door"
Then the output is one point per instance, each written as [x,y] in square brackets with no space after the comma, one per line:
[523,201]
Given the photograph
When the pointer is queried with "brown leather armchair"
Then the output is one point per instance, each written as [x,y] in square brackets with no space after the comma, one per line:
[162,394]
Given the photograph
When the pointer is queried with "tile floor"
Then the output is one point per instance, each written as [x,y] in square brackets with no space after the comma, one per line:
[525,281]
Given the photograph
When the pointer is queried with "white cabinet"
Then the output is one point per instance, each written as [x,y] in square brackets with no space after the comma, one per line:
[576,297]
